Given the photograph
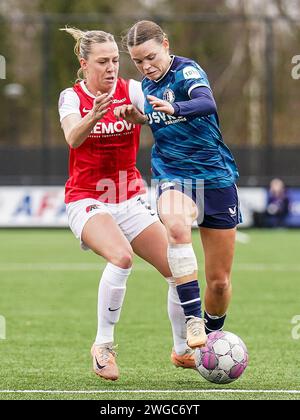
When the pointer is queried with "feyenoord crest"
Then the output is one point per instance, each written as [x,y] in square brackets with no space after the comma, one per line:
[169,95]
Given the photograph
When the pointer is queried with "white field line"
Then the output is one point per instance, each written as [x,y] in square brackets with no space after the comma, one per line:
[153,391]
[69,266]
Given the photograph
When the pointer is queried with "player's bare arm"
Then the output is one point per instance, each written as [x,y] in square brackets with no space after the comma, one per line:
[160,105]
[131,114]
[77,129]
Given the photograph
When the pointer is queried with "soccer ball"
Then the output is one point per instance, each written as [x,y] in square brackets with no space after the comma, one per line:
[223,359]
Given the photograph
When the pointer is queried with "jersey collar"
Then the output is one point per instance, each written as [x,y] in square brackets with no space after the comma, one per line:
[171,63]
[85,89]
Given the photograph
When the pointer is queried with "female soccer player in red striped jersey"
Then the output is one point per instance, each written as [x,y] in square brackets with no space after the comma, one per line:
[104,194]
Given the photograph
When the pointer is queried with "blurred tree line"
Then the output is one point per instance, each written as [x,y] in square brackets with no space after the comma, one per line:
[243,53]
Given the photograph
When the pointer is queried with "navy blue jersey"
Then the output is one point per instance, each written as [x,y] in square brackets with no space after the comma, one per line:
[186,147]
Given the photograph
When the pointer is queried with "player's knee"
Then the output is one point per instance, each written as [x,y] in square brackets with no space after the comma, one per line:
[219,283]
[179,232]
[122,258]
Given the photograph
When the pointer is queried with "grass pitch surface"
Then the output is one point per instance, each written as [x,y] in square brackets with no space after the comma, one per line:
[48,292]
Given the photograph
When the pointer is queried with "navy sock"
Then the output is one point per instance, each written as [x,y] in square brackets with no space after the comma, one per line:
[213,323]
[189,296]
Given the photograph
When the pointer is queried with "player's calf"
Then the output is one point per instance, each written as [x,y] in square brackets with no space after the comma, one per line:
[183,263]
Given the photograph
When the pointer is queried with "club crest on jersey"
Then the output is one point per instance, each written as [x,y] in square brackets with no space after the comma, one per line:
[169,95]
[92,207]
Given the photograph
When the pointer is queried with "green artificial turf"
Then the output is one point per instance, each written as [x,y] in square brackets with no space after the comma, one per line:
[48,293]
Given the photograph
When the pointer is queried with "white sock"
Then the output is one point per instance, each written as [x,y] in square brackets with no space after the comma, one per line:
[177,318]
[111,294]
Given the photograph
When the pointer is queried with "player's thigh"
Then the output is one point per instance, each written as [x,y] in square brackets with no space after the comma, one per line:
[102,234]
[218,246]
[174,206]
[151,245]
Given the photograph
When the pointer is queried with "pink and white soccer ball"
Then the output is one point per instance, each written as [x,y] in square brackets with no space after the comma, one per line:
[223,359]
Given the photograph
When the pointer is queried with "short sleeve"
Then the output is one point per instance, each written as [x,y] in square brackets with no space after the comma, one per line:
[190,77]
[136,94]
[68,103]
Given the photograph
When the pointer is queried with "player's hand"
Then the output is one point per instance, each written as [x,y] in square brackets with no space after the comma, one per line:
[130,113]
[101,105]
[160,105]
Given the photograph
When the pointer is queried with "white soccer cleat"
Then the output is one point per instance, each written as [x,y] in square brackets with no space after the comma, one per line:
[196,335]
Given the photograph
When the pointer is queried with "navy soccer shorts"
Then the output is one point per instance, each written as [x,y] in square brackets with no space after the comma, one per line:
[218,208]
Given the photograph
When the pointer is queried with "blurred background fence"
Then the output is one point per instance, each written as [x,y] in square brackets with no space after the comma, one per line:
[247,53]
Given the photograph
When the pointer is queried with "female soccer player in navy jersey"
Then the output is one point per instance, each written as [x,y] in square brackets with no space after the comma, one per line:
[194,169]
[105,194]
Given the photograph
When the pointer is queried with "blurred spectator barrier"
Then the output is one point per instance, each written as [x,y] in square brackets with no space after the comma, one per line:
[40,206]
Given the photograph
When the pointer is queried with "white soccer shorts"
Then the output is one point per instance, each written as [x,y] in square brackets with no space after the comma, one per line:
[132,216]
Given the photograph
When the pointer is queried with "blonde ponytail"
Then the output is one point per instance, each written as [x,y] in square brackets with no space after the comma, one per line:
[84,41]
